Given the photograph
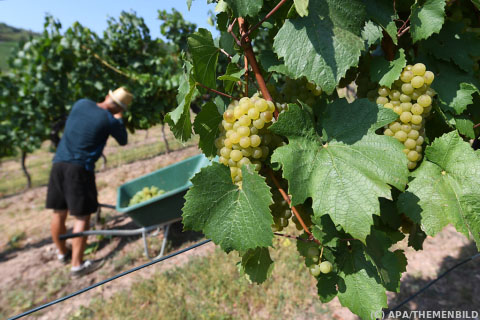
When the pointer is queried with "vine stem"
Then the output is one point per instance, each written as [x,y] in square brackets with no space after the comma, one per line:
[291,237]
[287,198]
[476,126]
[214,91]
[246,76]
[403,31]
[255,27]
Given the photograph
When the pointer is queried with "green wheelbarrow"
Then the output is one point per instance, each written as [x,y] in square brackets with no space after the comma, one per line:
[158,212]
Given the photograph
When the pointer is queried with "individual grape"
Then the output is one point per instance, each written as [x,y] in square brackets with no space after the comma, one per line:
[245,106]
[259,123]
[253,114]
[265,151]
[416,126]
[227,125]
[406,117]
[287,214]
[416,119]
[266,116]
[407,88]
[271,106]
[236,155]
[383,91]
[417,109]
[417,82]
[312,252]
[234,171]
[430,92]
[406,76]
[315,270]
[225,152]
[235,137]
[244,120]
[261,105]
[223,160]
[247,152]
[267,138]
[231,162]
[398,110]
[406,150]
[394,95]
[388,105]
[400,136]
[229,116]
[388,132]
[237,112]
[382,100]
[412,155]
[424,100]
[326,267]
[243,161]
[418,69]
[243,131]
[413,134]
[406,106]
[255,140]
[245,142]
[408,67]
[411,165]
[257,164]
[406,128]
[410,143]
[419,149]
[395,126]
[420,141]
[405,98]
[257,153]
[228,143]
[219,142]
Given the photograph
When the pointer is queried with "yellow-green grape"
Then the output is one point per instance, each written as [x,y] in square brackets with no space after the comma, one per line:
[398,110]
[405,98]
[314,270]
[259,123]
[237,112]
[413,134]
[418,149]
[406,117]
[417,82]
[411,165]
[424,100]
[219,142]
[236,155]
[235,137]
[388,132]
[395,126]
[406,128]
[420,141]
[244,120]
[407,88]
[326,267]
[247,152]
[410,143]
[412,155]
[416,119]
[400,136]
[406,76]
[232,163]
[419,69]
[229,116]
[257,164]
[383,91]
[406,150]
[225,152]
[394,95]
[388,105]
[235,126]
[406,106]
[253,114]
[255,140]
[234,171]
[266,116]
[271,106]
[245,106]
[243,161]
[261,105]
[257,153]
[430,92]
[245,142]
[227,125]
[243,131]
[417,109]
[416,126]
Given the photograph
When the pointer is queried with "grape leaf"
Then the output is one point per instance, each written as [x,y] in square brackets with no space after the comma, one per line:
[383,13]
[257,264]
[231,76]
[446,188]
[346,170]
[327,286]
[390,265]
[360,289]
[371,33]
[426,19]
[242,8]
[179,119]
[464,97]
[234,218]
[206,125]
[445,45]
[327,42]
[416,237]
[476,3]
[189,4]
[302,7]
[386,72]
[204,57]
[465,126]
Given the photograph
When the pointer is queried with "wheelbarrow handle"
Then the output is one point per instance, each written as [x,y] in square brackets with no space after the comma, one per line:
[121,233]
[103,205]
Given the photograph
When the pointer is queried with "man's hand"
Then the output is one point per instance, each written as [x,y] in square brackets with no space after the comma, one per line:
[118,115]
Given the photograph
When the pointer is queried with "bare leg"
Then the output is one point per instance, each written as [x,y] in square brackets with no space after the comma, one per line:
[78,244]
[58,228]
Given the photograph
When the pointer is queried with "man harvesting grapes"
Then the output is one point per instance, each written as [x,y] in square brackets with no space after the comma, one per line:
[72,180]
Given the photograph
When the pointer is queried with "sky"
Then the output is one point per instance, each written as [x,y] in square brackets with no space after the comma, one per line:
[30,14]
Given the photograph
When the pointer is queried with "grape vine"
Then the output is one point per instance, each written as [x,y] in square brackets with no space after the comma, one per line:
[392,163]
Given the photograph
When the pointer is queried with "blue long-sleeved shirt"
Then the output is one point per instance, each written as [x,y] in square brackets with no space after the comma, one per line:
[86,132]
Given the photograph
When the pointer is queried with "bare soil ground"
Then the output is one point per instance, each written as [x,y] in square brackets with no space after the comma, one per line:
[30,274]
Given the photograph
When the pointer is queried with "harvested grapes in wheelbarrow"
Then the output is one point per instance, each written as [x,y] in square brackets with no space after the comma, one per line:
[145,194]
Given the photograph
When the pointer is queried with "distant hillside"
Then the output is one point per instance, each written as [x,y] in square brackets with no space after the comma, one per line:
[9,38]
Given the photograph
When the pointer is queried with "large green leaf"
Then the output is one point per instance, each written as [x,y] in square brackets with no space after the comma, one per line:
[234,218]
[243,8]
[345,170]
[179,119]
[231,76]
[446,188]
[371,33]
[446,44]
[257,264]
[383,13]
[327,42]
[464,97]
[427,19]
[206,126]
[386,72]
[204,56]
[360,289]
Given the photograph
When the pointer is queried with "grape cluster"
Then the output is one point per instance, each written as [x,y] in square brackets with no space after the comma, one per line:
[244,138]
[411,98]
[280,210]
[300,89]
[145,194]
[318,267]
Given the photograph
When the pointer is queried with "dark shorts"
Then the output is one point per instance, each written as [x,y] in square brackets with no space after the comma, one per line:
[72,187]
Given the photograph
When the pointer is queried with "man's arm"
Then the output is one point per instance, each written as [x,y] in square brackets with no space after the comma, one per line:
[117,129]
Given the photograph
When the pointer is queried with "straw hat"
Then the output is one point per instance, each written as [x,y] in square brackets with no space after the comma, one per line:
[122,97]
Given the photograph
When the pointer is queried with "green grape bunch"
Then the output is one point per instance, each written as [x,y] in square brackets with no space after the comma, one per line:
[145,194]
[300,89]
[244,138]
[411,98]
[318,266]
